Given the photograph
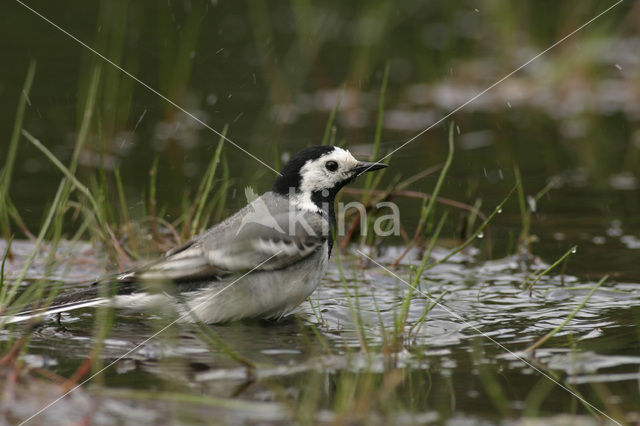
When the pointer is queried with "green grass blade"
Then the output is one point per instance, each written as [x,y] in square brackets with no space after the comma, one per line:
[207,183]
[430,247]
[328,128]
[378,135]
[356,316]
[568,318]
[443,174]
[5,175]
[65,171]
[546,271]
[475,234]
[8,292]
[524,212]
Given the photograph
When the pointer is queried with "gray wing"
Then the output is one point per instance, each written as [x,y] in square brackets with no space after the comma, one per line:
[248,243]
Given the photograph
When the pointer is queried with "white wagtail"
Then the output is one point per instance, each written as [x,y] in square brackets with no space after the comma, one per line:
[262,262]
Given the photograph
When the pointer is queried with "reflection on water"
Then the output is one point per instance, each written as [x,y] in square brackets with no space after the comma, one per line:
[321,344]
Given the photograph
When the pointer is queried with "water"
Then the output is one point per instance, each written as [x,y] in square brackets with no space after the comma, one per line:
[484,304]
[274,74]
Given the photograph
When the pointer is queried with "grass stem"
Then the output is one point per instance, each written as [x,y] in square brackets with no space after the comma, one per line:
[7,171]
[546,271]
[568,318]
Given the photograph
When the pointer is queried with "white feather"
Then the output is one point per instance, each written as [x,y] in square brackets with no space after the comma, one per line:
[288,248]
[57,310]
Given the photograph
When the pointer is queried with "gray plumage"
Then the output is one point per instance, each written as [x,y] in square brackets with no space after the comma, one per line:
[251,268]
[261,262]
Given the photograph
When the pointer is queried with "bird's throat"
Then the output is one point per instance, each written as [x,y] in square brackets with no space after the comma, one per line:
[320,202]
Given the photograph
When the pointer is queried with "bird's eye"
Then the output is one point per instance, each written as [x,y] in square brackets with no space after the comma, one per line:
[332,166]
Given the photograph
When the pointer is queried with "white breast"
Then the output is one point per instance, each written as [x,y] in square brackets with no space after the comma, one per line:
[268,294]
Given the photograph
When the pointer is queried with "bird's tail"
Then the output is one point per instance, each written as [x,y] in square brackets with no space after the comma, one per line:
[85,298]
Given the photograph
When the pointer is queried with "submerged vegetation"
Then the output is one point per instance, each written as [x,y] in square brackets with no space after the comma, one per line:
[480,310]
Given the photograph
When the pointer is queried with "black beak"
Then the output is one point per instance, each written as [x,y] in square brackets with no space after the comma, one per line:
[364,166]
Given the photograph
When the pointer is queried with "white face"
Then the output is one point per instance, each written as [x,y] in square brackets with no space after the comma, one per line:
[322,172]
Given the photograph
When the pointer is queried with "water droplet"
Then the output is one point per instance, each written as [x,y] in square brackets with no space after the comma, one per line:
[618,66]
[212,98]
[499,210]
[481,235]
[532,203]
[573,250]
[458,129]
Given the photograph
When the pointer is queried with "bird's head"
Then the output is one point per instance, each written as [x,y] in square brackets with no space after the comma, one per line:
[317,173]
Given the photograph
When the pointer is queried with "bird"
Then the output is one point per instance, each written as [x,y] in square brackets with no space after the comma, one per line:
[260,263]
